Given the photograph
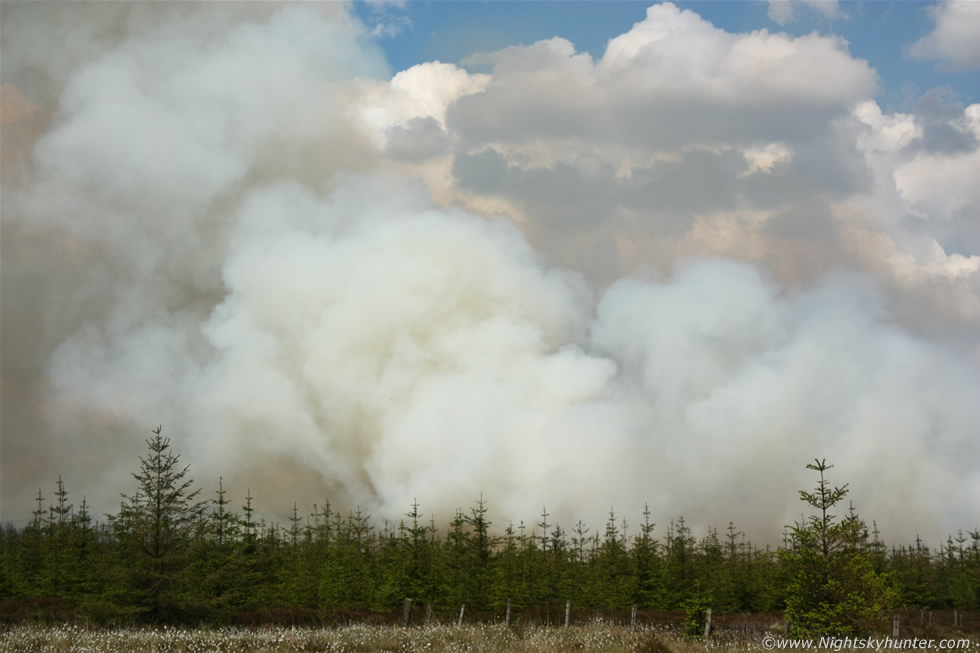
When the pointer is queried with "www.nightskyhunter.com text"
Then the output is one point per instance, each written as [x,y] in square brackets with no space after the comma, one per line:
[866,643]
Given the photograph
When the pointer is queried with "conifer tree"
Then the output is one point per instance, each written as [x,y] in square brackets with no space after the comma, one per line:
[579,540]
[86,575]
[10,545]
[347,580]
[732,590]
[834,589]
[561,574]
[419,571]
[406,562]
[506,574]
[956,575]
[31,558]
[615,587]
[155,527]
[771,577]
[216,566]
[455,588]
[679,565]
[711,571]
[162,558]
[646,563]
[249,573]
[57,552]
[295,585]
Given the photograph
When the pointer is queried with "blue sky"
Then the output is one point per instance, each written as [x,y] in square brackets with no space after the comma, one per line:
[879,31]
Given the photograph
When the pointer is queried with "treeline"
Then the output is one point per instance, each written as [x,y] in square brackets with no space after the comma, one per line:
[172,555]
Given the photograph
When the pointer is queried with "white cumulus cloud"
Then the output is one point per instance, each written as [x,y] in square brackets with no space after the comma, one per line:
[954,41]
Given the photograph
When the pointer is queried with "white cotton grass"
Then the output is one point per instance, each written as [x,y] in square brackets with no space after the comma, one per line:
[596,635]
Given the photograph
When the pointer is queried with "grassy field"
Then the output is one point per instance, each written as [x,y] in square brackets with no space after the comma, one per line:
[596,636]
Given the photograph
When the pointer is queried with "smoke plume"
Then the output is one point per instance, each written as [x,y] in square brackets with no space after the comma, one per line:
[202,227]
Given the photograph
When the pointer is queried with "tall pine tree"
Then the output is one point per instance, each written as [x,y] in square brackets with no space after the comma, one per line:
[155,529]
[834,589]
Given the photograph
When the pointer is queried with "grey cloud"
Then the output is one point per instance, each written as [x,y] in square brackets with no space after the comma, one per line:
[485,171]
[678,122]
[647,89]
[959,234]
[700,182]
[936,111]
[828,168]
[416,140]
[505,114]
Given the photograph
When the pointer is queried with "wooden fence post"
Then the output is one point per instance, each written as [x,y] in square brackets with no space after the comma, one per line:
[407,612]
[428,614]
[707,623]
[568,613]
[507,618]
[633,620]
[462,609]
[895,629]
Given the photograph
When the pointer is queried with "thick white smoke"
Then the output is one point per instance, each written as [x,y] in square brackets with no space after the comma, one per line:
[220,255]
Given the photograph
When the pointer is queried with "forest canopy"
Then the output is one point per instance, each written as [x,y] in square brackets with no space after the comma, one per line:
[172,554]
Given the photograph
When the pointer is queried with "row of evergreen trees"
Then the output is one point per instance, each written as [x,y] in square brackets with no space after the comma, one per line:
[170,555]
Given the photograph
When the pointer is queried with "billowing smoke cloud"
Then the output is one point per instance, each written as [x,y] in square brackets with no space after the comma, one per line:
[212,229]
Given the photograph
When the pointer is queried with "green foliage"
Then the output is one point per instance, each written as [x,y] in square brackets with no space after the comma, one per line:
[154,530]
[349,572]
[679,565]
[695,612]
[616,586]
[646,570]
[958,573]
[834,589]
[506,574]
[166,557]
